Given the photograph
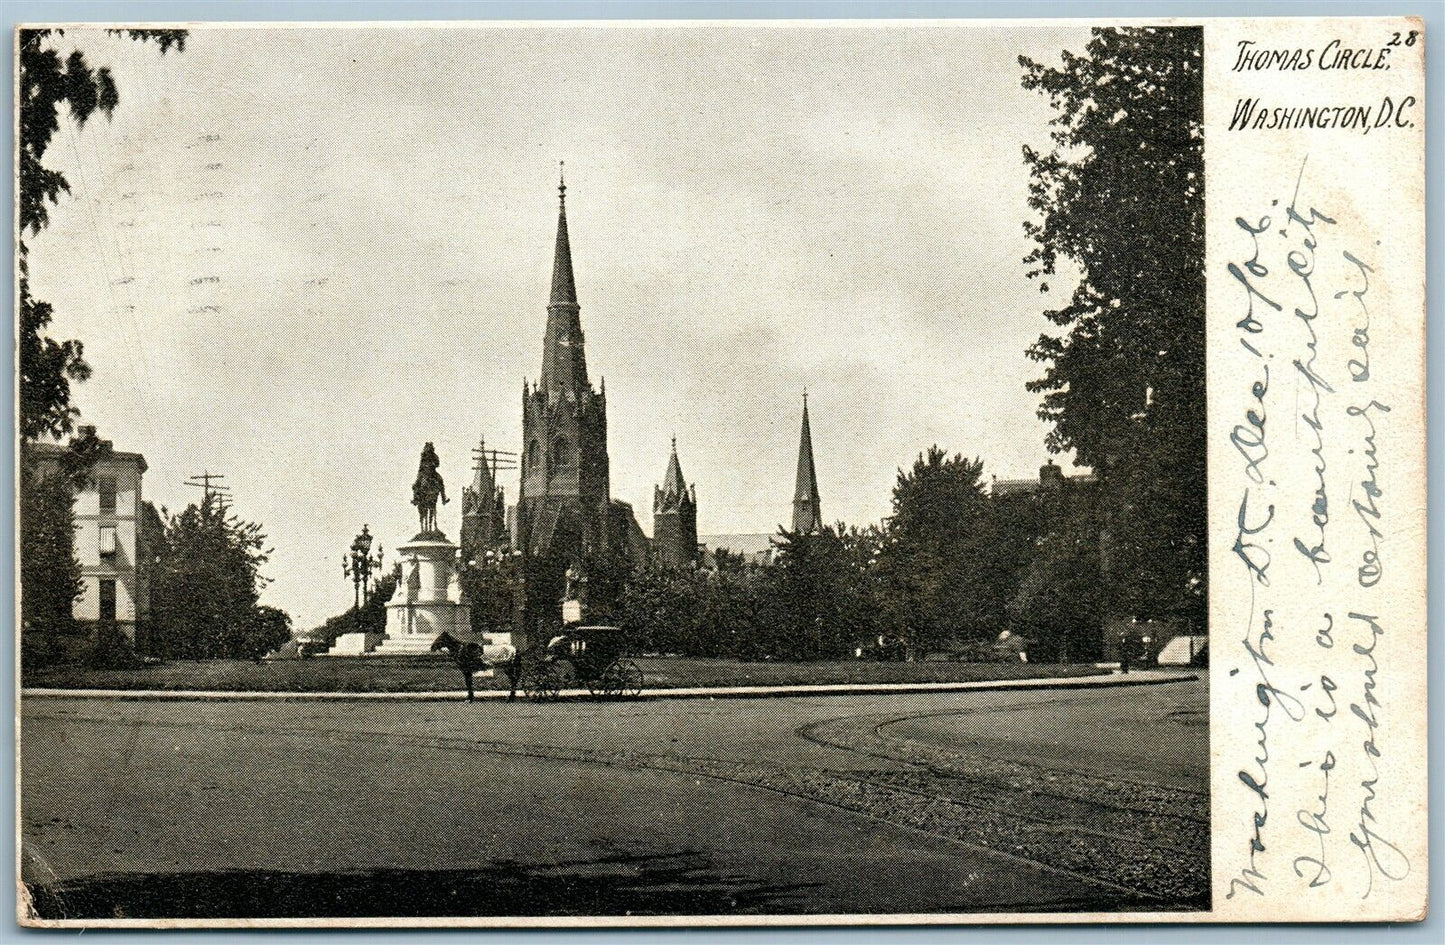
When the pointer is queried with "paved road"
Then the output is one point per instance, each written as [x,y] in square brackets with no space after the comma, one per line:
[923,802]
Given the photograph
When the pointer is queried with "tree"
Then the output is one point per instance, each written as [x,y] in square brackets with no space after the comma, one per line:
[948,564]
[817,602]
[1121,196]
[370,618]
[659,609]
[1059,603]
[491,585]
[207,583]
[50,574]
[269,628]
[50,578]
[728,562]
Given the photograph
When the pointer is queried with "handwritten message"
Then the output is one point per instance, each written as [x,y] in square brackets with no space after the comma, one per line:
[1306,406]
[1316,489]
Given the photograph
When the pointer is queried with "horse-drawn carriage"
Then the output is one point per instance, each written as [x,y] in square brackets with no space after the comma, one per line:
[595,657]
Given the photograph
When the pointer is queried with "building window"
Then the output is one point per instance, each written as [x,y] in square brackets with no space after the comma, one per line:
[561,452]
[107,598]
[106,486]
[534,455]
[108,545]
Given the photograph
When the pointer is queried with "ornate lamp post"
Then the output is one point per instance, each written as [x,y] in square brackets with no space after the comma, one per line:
[359,565]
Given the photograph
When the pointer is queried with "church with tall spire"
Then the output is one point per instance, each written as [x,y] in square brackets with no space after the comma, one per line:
[807,513]
[674,518]
[565,488]
[565,513]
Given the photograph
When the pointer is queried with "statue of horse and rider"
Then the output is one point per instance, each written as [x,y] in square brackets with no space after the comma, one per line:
[427,488]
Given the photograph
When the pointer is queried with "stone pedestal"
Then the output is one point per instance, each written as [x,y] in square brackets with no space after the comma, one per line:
[428,599]
[427,603]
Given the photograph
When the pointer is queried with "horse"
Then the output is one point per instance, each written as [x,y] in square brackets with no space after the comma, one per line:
[470,658]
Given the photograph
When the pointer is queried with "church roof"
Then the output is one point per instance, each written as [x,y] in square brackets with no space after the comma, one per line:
[746,543]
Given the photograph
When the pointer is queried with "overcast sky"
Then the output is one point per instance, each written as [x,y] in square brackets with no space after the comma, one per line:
[294,256]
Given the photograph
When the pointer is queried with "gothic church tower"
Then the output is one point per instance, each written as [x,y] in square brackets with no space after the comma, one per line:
[564,502]
[674,517]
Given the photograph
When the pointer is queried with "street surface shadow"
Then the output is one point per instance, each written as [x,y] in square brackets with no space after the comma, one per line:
[679,884]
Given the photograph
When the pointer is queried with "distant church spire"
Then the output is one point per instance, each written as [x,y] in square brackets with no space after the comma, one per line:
[674,517]
[807,514]
[672,481]
[483,507]
[564,360]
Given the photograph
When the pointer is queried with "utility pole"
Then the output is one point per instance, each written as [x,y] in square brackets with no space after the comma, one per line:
[495,459]
[210,485]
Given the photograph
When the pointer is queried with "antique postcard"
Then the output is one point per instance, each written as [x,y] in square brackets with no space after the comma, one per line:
[678,473]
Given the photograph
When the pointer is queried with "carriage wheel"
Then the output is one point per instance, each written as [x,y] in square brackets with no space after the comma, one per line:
[620,680]
[563,675]
[631,679]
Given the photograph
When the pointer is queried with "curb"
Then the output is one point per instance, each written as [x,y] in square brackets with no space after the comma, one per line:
[1111,681]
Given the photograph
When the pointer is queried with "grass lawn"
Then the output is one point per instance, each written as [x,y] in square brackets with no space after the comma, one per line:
[424,674]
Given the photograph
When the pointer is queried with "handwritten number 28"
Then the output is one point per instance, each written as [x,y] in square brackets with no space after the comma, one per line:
[1409,39]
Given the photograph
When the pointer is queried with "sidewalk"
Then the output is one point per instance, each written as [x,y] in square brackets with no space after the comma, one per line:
[1136,678]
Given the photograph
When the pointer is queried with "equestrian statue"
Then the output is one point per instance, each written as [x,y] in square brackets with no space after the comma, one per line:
[427,488]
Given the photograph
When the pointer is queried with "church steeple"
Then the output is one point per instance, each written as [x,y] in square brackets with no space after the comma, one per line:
[807,515]
[564,290]
[672,483]
[564,360]
[674,517]
[484,509]
[565,487]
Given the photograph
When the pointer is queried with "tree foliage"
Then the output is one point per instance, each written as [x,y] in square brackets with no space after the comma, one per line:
[50,575]
[1059,601]
[1121,197]
[206,588]
[50,579]
[491,585]
[820,592]
[951,556]
[369,618]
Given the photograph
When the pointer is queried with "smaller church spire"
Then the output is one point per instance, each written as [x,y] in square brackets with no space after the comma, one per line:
[672,482]
[483,483]
[807,513]
[674,516]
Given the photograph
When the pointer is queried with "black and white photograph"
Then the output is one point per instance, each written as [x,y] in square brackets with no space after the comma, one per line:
[630,472]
